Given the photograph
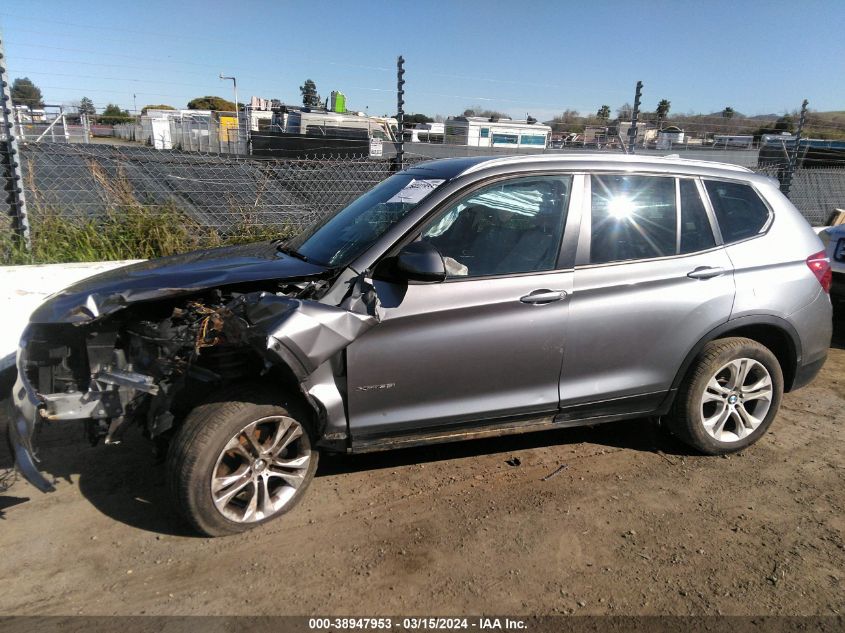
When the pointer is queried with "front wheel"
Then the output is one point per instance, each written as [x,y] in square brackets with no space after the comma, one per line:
[239,462]
[729,398]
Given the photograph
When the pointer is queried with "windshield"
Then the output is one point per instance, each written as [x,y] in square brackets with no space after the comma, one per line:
[339,239]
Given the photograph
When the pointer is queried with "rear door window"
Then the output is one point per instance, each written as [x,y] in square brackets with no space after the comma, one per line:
[739,210]
[632,217]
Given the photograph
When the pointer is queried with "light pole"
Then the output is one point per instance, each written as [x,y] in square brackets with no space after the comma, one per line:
[237,113]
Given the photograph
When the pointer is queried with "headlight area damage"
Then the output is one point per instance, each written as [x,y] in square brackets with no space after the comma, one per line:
[150,362]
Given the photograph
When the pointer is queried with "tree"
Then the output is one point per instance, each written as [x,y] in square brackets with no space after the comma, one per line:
[604,112]
[217,104]
[26,93]
[482,112]
[786,123]
[86,106]
[310,97]
[567,121]
[113,114]
[160,106]
[663,109]
[728,112]
[412,119]
[625,112]
[568,116]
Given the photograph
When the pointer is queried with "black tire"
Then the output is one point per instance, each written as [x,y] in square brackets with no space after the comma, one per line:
[198,443]
[686,421]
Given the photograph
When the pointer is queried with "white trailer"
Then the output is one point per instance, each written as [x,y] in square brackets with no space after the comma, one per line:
[316,122]
[425,133]
[672,135]
[483,132]
[744,141]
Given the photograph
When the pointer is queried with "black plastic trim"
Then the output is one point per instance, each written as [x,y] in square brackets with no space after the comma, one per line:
[629,407]
[805,374]
[733,324]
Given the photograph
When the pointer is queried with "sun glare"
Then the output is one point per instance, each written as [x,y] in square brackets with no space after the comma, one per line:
[621,208]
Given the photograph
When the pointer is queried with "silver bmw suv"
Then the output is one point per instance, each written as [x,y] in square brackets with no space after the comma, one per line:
[457,299]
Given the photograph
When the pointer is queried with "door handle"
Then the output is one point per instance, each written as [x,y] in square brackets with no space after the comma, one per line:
[543,296]
[706,272]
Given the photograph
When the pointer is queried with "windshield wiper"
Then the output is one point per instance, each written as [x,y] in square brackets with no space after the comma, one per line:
[292,252]
[295,253]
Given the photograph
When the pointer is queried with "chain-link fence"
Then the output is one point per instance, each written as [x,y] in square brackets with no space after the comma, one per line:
[817,192]
[149,202]
[90,201]
[217,191]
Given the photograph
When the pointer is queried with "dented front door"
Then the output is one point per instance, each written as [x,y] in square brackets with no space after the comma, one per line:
[455,352]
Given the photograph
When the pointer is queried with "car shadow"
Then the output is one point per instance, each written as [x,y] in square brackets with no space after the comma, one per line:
[638,435]
[127,482]
[123,481]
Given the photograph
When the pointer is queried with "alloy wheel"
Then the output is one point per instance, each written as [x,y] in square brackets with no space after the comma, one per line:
[260,469]
[736,400]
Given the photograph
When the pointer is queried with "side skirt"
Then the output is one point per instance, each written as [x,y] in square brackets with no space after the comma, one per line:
[583,415]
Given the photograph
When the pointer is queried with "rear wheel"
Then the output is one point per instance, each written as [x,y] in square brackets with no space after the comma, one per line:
[237,463]
[729,398]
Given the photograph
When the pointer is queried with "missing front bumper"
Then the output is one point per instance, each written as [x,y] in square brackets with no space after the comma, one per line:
[23,412]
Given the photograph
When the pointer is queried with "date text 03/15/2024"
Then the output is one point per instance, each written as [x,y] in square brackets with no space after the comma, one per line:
[416,623]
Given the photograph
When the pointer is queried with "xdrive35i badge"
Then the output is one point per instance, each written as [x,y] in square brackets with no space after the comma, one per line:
[387,385]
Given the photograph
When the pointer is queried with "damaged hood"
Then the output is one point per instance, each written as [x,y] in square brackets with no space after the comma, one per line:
[110,291]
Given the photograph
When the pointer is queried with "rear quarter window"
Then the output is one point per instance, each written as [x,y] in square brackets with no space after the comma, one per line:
[739,210]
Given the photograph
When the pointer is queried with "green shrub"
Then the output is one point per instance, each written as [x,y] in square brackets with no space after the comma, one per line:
[131,232]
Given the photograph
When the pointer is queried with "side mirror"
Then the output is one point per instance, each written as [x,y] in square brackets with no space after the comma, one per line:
[420,261]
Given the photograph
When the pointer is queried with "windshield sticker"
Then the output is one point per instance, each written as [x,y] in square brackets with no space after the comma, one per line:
[415,191]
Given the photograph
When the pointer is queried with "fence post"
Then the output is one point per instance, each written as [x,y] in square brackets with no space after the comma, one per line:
[400,110]
[64,125]
[632,133]
[86,129]
[786,183]
[10,163]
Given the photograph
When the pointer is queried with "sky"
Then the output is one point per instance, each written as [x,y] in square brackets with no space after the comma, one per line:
[528,57]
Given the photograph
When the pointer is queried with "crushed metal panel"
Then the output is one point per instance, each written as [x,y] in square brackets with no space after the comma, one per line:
[308,331]
[321,387]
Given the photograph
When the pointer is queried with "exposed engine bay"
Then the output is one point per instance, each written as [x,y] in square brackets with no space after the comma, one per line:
[152,361]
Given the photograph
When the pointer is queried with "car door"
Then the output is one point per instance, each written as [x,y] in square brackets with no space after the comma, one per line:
[651,281]
[488,341]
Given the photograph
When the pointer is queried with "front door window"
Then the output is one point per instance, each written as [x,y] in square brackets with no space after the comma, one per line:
[508,228]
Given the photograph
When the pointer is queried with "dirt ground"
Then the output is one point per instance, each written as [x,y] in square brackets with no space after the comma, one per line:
[632,525]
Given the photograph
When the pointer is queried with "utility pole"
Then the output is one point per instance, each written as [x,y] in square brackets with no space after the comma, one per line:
[786,185]
[10,162]
[400,110]
[632,133]
[237,112]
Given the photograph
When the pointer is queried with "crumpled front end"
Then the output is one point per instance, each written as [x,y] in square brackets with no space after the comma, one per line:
[152,362]
[65,373]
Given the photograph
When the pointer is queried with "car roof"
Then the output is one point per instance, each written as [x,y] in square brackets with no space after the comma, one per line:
[449,168]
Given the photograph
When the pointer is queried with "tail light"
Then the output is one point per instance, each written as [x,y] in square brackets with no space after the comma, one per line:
[820,265]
